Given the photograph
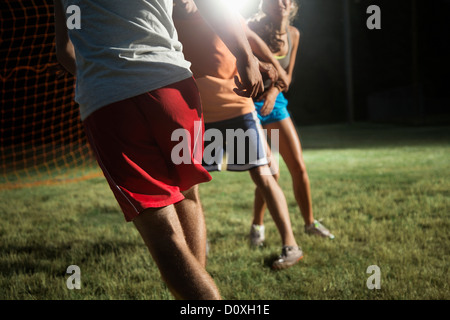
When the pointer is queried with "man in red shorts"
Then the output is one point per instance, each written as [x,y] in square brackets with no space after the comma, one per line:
[135,88]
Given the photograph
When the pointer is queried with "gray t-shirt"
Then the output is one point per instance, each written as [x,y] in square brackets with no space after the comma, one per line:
[123,49]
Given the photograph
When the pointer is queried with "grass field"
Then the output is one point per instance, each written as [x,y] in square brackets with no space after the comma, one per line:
[384,191]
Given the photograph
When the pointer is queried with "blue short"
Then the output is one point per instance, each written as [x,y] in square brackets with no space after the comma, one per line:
[242,138]
[278,113]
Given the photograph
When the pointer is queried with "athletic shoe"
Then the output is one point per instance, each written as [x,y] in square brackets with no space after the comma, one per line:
[257,235]
[316,228]
[289,256]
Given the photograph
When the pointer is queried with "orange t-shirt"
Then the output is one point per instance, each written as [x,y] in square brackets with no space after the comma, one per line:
[214,68]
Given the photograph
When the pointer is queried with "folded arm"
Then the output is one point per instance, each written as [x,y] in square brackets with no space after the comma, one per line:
[263,52]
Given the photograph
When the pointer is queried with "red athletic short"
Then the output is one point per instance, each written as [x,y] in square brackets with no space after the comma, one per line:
[132,141]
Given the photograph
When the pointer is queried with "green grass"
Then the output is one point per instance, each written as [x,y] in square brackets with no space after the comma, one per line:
[383,191]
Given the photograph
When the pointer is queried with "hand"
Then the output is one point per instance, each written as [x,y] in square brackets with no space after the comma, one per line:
[269,70]
[269,97]
[283,79]
[250,83]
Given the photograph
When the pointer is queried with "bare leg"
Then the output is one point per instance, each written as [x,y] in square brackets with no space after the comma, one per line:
[259,207]
[276,203]
[190,214]
[259,204]
[291,151]
[184,275]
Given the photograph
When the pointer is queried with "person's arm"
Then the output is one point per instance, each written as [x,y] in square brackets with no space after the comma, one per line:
[269,70]
[295,40]
[268,97]
[65,52]
[226,23]
[262,51]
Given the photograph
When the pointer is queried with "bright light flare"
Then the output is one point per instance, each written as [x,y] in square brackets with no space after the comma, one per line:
[236,5]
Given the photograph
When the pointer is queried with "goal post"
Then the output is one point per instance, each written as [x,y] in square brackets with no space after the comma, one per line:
[41,134]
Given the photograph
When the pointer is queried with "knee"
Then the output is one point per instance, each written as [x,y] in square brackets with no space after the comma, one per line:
[298,168]
[262,176]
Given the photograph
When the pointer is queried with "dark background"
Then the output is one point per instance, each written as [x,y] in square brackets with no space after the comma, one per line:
[399,74]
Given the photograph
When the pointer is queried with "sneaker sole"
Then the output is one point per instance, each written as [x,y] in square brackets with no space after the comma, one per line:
[331,237]
[282,267]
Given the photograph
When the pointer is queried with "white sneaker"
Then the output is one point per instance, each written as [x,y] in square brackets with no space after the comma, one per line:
[289,256]
[257,235]
[316,228]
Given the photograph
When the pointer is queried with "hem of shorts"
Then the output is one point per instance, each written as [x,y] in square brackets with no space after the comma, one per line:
[182,188]
[241,168]
[158,204]
[274,120]
[220,119]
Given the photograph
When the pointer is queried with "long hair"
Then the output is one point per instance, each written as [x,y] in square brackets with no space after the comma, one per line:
[265,29]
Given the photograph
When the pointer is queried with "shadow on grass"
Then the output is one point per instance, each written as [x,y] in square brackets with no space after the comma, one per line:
[268,261]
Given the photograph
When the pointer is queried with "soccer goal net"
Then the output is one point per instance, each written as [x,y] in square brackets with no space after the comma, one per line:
[41,136]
